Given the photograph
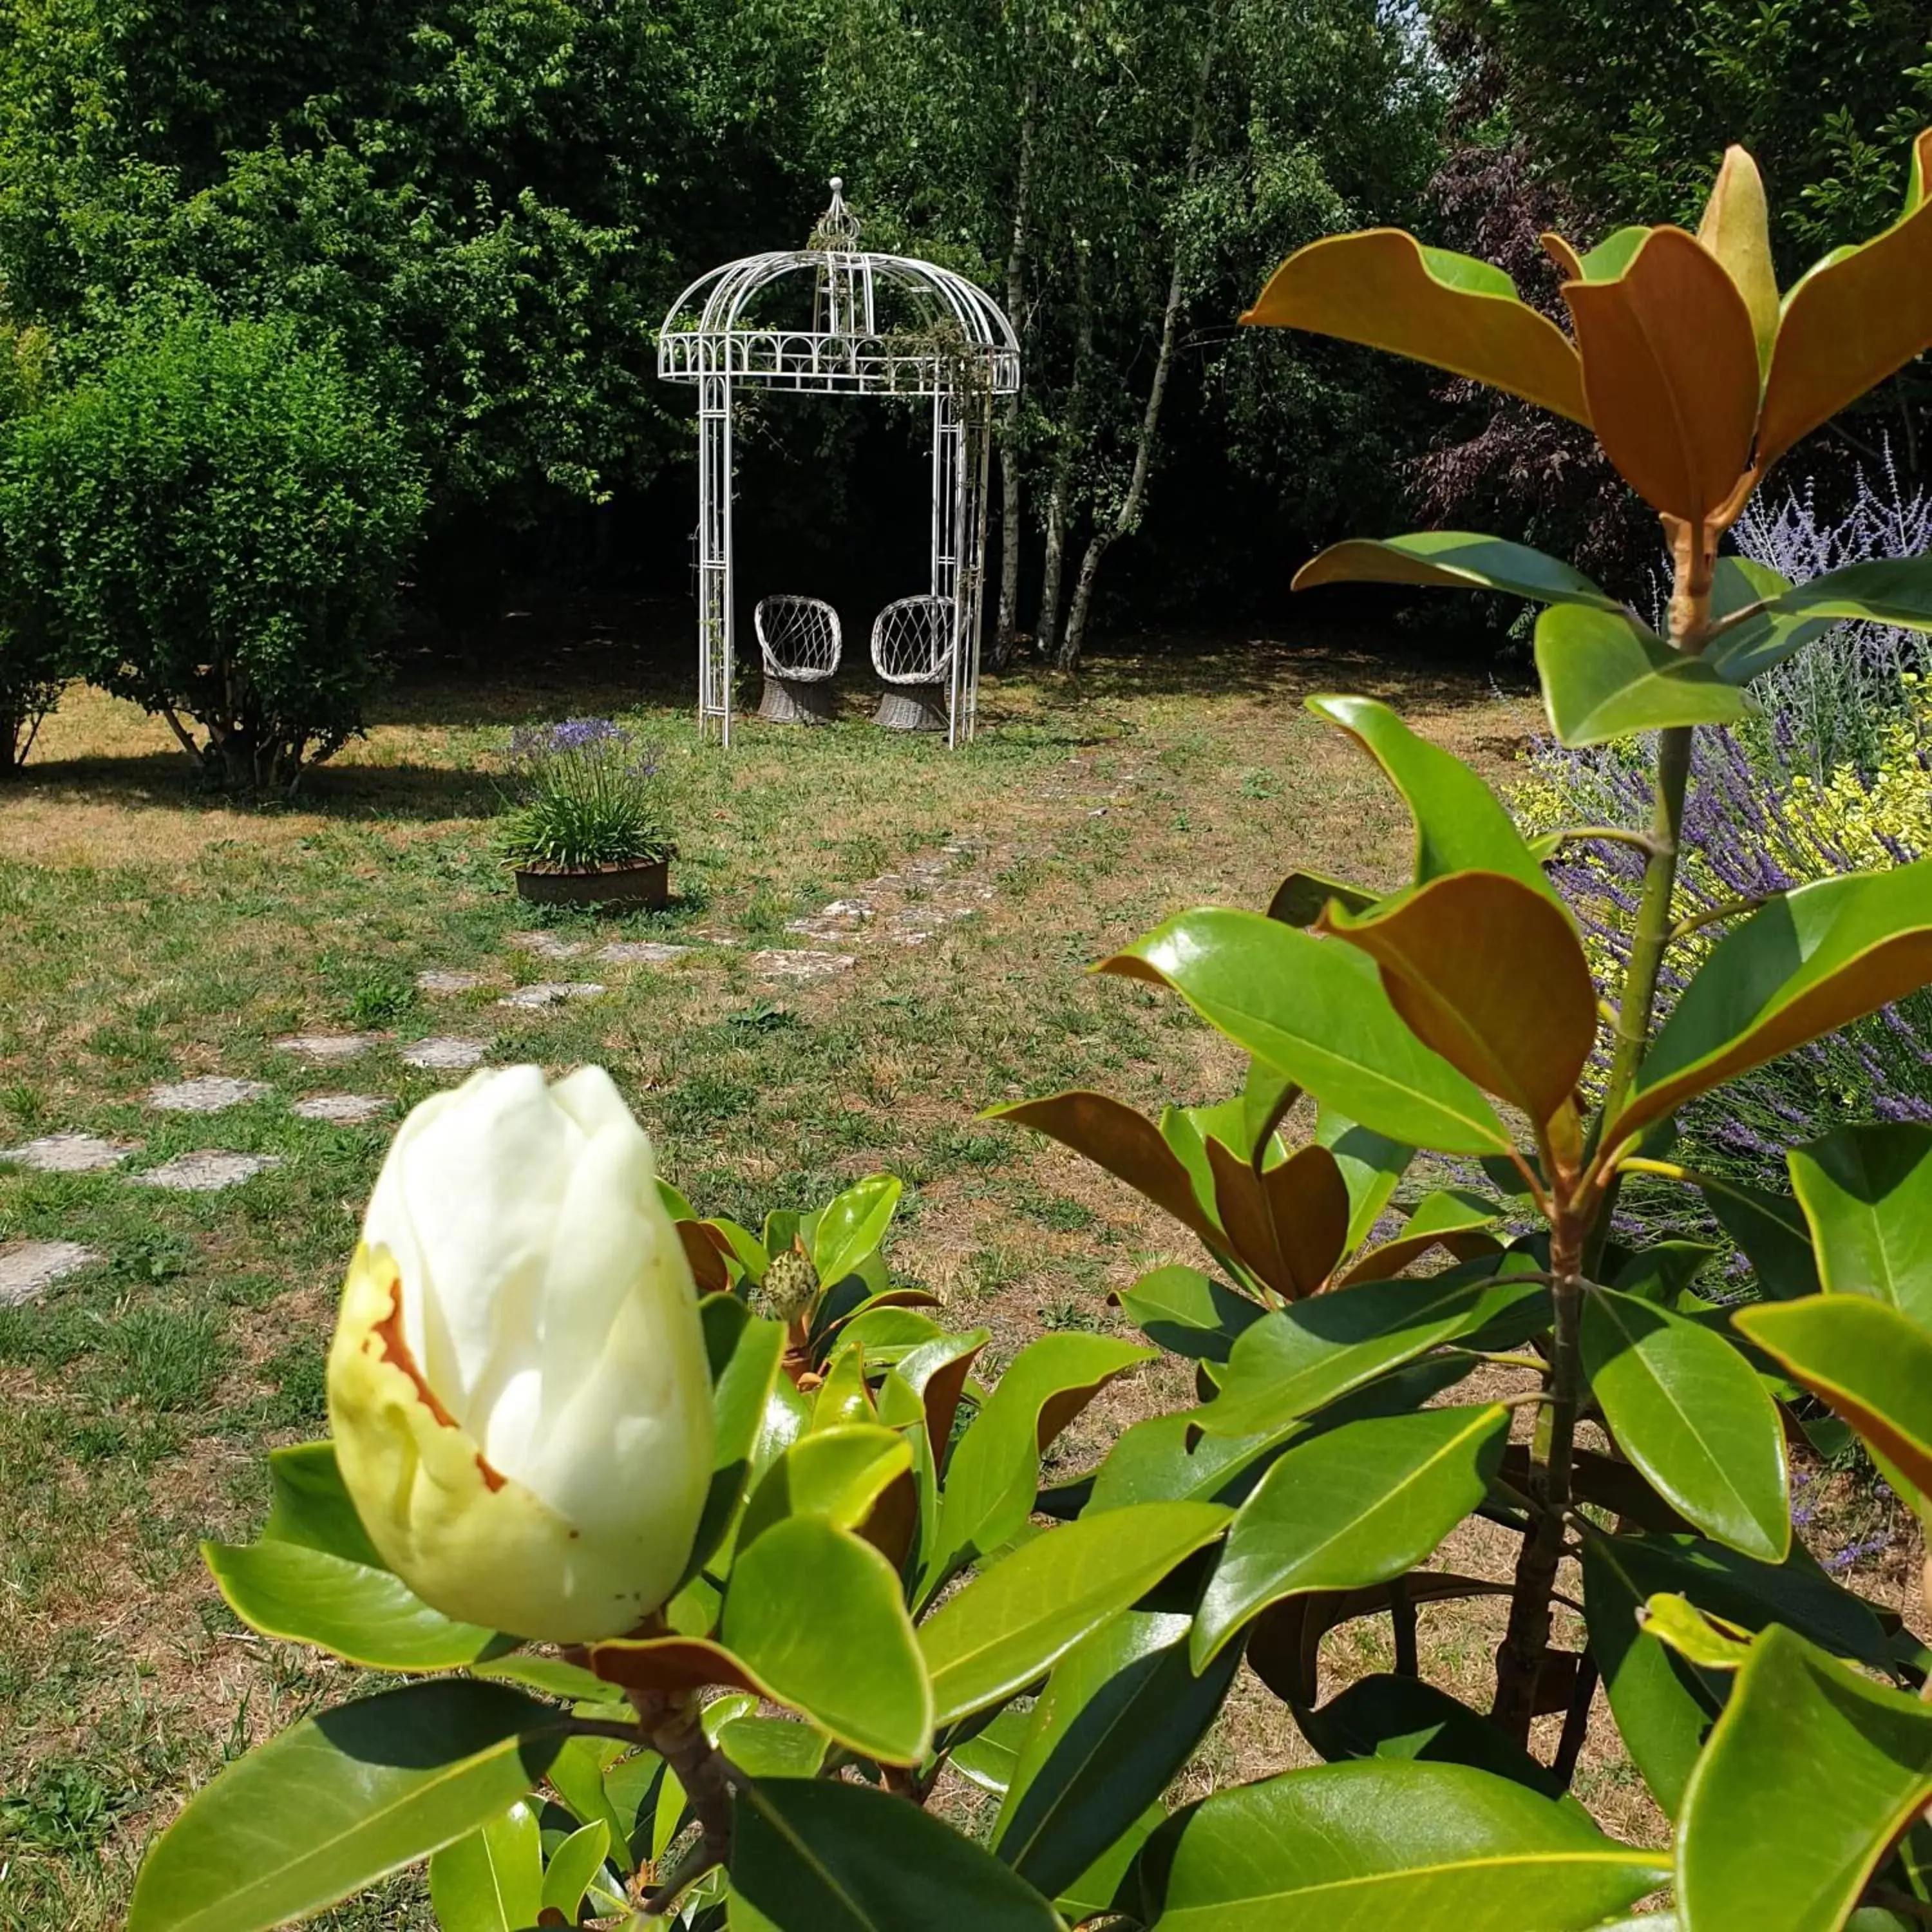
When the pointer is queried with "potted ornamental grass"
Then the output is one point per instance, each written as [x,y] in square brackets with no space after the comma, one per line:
[589,826]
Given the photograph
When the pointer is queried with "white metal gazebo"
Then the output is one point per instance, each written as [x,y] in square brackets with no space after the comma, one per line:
[829,320]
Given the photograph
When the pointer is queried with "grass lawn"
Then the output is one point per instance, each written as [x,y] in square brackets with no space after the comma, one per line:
[148,935]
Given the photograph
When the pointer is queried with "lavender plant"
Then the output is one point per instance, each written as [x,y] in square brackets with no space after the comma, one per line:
[1826,708]
[593,795]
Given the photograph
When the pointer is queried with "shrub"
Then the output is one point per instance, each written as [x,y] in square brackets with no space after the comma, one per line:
[211,523]
[593,797]
[32,671]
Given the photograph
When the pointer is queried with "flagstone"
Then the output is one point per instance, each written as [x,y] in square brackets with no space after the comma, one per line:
[209,1094]
[445,1053]
[346,1110]
[553,993]
[71,1154]
[28,1269]
[207,1171]
[326,1046]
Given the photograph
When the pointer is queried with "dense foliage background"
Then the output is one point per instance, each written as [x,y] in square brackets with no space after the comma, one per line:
[483,207]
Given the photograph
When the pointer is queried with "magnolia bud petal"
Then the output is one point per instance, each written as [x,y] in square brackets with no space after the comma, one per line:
[469,1541]
[518,1388]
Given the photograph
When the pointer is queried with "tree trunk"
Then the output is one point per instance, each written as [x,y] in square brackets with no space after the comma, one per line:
[1126,519]
[1073,426]
[1013,537]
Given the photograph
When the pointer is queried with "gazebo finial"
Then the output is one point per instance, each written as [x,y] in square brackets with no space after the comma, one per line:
[837,232]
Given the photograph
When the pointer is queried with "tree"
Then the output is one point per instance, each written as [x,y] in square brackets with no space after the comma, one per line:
[211,523]
[1123,171]
[487,203]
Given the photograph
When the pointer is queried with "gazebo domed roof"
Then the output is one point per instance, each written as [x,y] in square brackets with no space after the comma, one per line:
[830,317]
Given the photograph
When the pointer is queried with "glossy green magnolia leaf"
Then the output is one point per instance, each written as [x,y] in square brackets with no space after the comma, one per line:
[1019,1616]
[1870,1364]
[853,1225]
[1461,825]
[1707,1642]
[551,1675]
[821,1855]
[1490,973]
[995,1472]
[1166,1458]
[1662,1271]
[844,1396]
[1302,898]
[1447,1218]
[935,1373]
[1867,1196]
[583,1772]
[1372,1166]
[1771,1230]
[1296,1360]
[1378,1843]
[1736,228]
[1604,677]
[1812,962]
[1122,1713]
[839,1474]
[987,1758]
[1127,1144]
[1091,1895]
[1287,1224]
[773,1746]
[1670,367]
[1749,636]
[366,1616]
[1663,1706]
[1183,1311]
[745,1351]
[1811,1773]
[1316,1012]
[308,1505]
[817,1616]
[1384,288]
[492,1880]
[572,1866]
[884,1335]
[1893,591]
[1357,1505]
[341,1799]
[1689,1411]
[1455,560]
[1390,1717]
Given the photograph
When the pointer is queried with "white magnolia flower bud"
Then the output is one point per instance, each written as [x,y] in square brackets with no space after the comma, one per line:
[518,1388]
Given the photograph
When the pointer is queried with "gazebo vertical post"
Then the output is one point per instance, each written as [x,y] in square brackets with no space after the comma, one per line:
[948,580]
[714,551]
[974,469]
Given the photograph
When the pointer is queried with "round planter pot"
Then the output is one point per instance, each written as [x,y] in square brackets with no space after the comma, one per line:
[623,886]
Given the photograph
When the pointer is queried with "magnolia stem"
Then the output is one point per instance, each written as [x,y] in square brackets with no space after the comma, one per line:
[1526,1641]
[672,1722]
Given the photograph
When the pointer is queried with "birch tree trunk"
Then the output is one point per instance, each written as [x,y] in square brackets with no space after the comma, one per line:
[1013,535]
[1046,631]
[1126,519]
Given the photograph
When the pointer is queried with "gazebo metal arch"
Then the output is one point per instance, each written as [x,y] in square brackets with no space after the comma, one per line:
[880,324]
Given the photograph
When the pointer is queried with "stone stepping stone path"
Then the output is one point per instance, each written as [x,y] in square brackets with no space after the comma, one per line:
[345,1110]
[547,945]
[207,1172]
[436,979]
[28,1269]
[71,1153]
[640,952]
[208,1095]
[445,1053]
[553,993]
[778,964]
[327,1047]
